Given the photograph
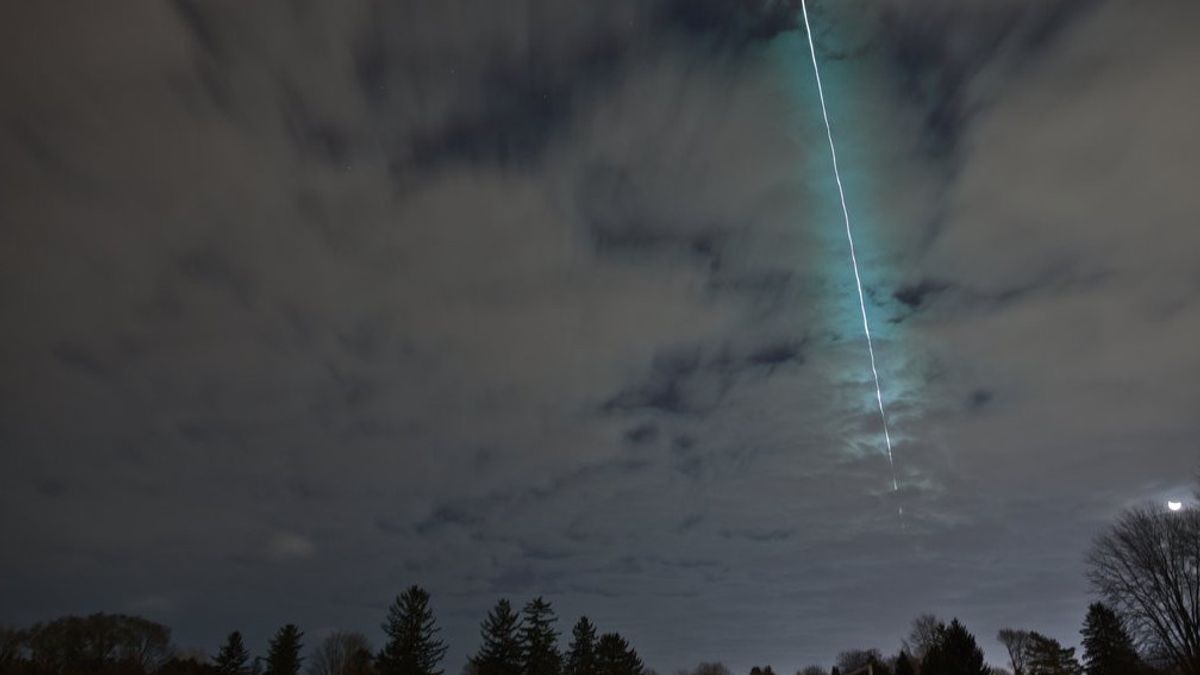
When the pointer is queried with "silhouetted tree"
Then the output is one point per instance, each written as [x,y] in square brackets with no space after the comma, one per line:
[12,644]
[233,659]
[614,656]
[186,665]
[922,636]
[341,653]
[581,654]
[764,670]
[283,655]
[500,653]
[539,640]
[954,653]
[1146,566]
[95,643]
[1016,642]
[853,660]
[904,665]
[1045,656]
[1107,647]
[710,668]
[413,647]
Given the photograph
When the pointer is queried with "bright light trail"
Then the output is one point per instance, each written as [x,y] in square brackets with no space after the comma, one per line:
[862,302]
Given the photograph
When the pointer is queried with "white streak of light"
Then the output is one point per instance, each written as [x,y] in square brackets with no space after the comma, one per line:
[862,302]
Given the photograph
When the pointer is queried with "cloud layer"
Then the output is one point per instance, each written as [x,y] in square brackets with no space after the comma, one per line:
[304,303]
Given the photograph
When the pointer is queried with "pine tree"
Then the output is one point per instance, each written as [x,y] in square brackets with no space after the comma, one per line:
[904,665]
[539,640]
[412,647]
[1107,647]
[283,657]
[614,656]
[501,650]
[954,653]
[233,657]
[581,656]
[1047,657]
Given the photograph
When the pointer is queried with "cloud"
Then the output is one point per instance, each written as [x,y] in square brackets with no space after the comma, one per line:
[283,546]
[544,298]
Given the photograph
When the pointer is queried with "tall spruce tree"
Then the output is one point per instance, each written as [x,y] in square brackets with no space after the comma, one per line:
[1045,656]
[539,640]
[413,647]
[581,655]
[904,665]
[283,656]
[500,653]
[614,656]
[954,652]
[233,659]
[1107,647]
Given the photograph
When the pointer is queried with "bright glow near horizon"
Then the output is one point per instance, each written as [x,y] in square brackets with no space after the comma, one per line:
[1175,506]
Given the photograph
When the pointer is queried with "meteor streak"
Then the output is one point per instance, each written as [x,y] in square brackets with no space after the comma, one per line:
[862,302]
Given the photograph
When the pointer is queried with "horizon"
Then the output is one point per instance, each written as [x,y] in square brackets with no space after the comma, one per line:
[305,303]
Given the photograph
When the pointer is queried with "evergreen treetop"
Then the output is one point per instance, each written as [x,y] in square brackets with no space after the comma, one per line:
[1107,647]
[954,652]
[283,656]
[581,655]
[501,652]
[539,640]
[233,657]
[412,647]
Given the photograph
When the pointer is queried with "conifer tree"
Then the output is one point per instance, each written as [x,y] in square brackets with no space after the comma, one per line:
[283,656]
[904,665]
[581,655]
[954,653]
[1107,647]
[614,656]
[233,657]
[539,640]
[1047,657]
[501,650]
[413,647]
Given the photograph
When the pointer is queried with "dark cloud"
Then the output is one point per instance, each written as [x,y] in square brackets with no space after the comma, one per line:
[552,297]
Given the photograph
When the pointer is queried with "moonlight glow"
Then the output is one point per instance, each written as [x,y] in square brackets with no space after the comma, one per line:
[1175,506]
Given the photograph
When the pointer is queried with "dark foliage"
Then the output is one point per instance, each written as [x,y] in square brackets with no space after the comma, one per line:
[539,640]
[283,657]
[581,655]
[413,647]
[614,656]
[233,659]
[954,653]
[1107,647]
[501,650]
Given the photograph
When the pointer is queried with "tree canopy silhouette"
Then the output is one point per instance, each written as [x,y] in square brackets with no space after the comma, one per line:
[413,647]
[500,653]
[954,653]
[1146,566]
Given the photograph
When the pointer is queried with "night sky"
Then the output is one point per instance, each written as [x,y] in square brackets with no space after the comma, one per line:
[305,302]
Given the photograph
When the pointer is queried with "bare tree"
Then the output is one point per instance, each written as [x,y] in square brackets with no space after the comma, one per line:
[341,653]
[1017,643]
[1147,567]
[709,668]
[922,636]
[854,660]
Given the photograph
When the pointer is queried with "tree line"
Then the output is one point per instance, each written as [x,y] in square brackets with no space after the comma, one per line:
[1145,567]
[524,643]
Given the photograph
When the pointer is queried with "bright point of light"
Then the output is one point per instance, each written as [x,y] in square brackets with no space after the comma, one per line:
[1175,506]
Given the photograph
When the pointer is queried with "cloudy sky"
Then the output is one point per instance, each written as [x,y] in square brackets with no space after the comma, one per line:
[304,302]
